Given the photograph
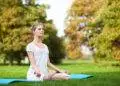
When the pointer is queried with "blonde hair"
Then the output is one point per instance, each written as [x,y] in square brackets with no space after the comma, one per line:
[35,25]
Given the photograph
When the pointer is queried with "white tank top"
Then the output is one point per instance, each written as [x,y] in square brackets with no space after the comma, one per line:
[41,57]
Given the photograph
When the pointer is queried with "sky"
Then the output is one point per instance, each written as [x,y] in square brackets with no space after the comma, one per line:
[57,12]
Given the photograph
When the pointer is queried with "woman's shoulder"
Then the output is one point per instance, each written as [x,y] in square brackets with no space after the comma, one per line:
[29,47]
[30,44]
[44,44]
[46,47]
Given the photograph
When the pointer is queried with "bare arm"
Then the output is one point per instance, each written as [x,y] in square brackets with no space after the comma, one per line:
[54,67]
[33,63]
[31,59]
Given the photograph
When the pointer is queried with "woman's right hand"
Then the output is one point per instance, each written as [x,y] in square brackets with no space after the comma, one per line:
[37,72]
[64,71]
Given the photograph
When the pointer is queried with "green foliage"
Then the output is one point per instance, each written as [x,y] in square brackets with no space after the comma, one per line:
[55,44]
[103,20]
[107,41]
[15,22]
[80,12]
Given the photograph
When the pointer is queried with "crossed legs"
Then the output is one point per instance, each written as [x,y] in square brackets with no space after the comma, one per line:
[56,76]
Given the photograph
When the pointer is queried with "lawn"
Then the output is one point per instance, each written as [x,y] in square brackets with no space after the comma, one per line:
[105,74]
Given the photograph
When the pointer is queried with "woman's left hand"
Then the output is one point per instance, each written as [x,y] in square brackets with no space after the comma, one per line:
[63,71]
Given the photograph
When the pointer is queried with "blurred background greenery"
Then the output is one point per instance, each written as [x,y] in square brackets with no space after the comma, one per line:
[91,43]
[92,31]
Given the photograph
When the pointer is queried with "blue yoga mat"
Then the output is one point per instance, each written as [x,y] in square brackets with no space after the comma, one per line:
[72,76]
[8,81]
[79,76]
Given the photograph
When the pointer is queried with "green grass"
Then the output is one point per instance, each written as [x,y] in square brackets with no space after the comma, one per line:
[104,74]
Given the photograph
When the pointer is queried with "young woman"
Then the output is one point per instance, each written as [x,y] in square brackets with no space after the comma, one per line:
[38,55]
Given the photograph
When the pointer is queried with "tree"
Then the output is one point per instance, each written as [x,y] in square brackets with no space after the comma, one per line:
[79,15]
[55,44]
[16,19]
[101,19]
[107,41]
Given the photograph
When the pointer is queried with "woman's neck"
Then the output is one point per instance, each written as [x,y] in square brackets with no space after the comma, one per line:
[37,39]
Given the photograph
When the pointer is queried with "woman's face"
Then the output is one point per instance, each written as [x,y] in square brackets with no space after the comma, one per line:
[39,31]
